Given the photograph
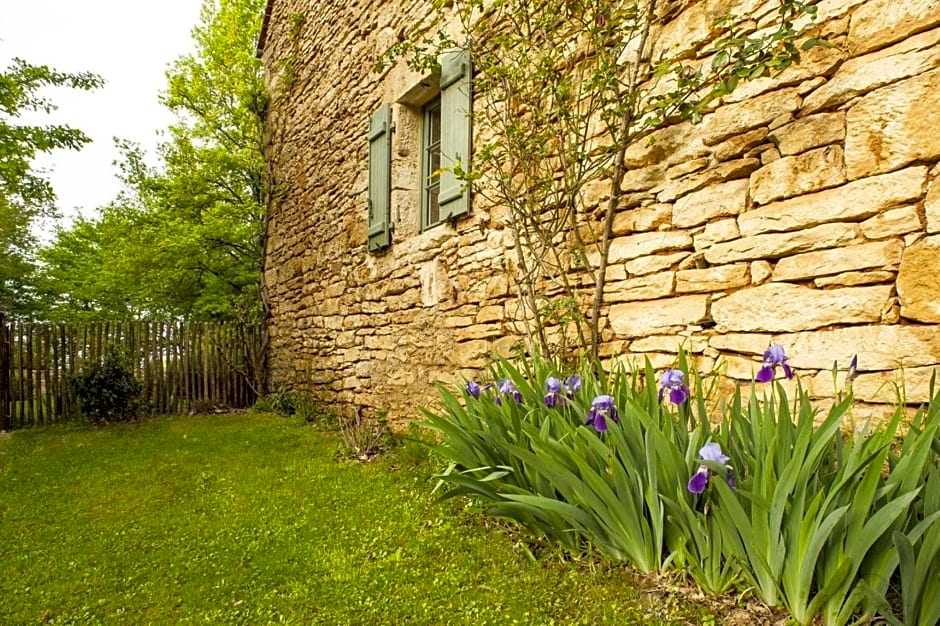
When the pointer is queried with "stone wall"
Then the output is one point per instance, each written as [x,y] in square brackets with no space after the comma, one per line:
[803,210]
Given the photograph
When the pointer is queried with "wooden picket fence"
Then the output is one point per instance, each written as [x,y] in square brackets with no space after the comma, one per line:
[183,366]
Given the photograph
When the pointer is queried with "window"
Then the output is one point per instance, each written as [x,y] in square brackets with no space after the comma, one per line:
[441,105]
[431,163]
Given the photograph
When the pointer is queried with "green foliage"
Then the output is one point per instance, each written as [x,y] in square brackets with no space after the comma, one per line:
[414,446]
[310,410]
[107,390]
[815,507]
[364,436]
[186,237]
[818,521]
[543,468]
[25,195]
[280,401]
[920,574]
[914,464]
[301,404]
[246,519]
[562,89]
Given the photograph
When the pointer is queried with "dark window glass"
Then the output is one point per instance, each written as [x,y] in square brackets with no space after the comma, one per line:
[431,163]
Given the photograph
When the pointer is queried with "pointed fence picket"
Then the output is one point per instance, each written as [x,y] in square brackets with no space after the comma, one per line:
[184,366]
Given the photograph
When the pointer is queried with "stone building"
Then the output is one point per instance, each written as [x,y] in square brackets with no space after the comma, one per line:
[802,210]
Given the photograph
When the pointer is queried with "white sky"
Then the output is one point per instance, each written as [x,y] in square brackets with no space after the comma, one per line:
[130,43]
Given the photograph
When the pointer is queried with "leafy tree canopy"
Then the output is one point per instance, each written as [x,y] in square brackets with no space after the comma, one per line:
[184,240]
[25,195]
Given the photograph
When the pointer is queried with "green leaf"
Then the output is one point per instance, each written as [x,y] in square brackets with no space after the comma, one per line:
[720,59]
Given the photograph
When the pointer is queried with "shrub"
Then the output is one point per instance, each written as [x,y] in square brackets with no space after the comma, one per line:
[107,390]
[364,436]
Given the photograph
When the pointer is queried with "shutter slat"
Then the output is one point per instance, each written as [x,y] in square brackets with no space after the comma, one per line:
[455,132]
[380,176]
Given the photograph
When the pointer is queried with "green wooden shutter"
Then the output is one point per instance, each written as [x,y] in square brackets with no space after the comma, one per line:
[455,132]
[380,178]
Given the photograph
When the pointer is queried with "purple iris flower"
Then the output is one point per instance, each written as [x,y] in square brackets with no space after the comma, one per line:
[473,388]
[853,370]
[674,381]
[553,396]
[710,452]
[506,388]
[602,409]
[773,356]
[572,385]
[699,480]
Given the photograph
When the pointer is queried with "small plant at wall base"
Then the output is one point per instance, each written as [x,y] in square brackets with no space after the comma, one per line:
[281,401]
[107,390]
[562,90]
[301,404]
[364,436]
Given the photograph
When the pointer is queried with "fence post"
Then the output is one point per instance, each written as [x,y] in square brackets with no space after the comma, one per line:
[5,364]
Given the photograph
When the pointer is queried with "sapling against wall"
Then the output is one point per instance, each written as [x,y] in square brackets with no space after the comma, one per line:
[562,90]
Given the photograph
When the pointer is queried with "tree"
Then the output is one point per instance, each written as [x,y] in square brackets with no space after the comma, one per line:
[185,238]
[24,194]
[563,90]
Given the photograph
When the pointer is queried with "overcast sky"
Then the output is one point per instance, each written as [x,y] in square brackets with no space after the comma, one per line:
[130,43]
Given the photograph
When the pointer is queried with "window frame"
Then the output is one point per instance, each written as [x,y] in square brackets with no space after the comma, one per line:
[428,182]
[451,87]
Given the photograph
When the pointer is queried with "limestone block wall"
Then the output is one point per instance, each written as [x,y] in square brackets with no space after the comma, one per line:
[803,210]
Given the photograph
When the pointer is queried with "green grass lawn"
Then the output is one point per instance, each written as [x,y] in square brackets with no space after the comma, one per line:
[250,519]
